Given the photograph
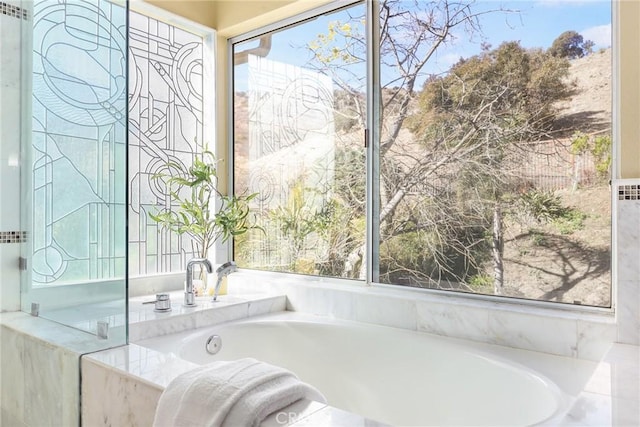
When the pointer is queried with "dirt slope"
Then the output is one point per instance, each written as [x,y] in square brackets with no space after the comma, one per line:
[542,262]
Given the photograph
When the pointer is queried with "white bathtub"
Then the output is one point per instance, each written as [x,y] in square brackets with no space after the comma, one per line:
[390,375]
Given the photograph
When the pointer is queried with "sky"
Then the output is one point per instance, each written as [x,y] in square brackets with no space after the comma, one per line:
[539,22]
[535,23]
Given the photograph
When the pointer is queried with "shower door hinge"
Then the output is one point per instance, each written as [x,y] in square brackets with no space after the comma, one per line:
[366,138]
[22,263]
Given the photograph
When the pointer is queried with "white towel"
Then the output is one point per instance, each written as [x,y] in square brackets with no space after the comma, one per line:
[230,394]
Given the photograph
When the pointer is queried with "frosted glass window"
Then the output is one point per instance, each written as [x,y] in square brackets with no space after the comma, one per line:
[294,138]
[165,124]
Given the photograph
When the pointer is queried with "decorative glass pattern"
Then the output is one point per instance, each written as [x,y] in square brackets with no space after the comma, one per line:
[289,157]
[165,124]
[79,141]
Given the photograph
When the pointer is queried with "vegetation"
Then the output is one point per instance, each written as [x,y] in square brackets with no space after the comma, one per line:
[598,146]
[193,191]
[452,153]
[571,45]
[298,220]
[543,206]
[546,207]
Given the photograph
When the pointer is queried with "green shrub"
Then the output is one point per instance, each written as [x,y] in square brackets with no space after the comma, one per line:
[598,146]
[480,281]
[544,206]
[572,220]
[547,207]
[538,238]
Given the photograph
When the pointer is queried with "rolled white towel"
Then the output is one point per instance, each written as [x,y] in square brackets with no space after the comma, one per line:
[230,394]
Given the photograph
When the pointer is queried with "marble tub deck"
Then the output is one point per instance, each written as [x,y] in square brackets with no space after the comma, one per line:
[121,386]
[144,322]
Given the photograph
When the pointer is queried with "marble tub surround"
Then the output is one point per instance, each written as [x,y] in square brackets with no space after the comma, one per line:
[81,306]
[86,316]
[585,333]
[39,376]
[122,386]
[58,335]
[145,323]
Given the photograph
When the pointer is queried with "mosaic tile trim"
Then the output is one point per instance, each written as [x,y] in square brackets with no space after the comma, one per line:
[13,11]
[629,192]
[13,236]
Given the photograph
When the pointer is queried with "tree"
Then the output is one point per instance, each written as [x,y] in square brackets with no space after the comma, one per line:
[446,187]
[447,196]
[410,35]
[571,45]
[477,119]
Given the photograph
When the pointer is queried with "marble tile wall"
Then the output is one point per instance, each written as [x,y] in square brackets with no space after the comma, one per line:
[571,333]
[11,20]
[39,370]
[627,256]
[39,381]
[611,396]
[111,397]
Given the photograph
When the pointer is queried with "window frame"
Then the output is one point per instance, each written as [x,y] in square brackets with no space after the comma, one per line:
[372,142]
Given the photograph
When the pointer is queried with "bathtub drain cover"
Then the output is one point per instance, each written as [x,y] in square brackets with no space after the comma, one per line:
[214,344]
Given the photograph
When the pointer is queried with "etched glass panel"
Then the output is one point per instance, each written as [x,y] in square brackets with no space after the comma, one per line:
[79,141]
[298,122]
[165,125]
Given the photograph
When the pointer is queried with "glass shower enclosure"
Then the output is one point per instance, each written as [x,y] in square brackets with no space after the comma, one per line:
[74,168]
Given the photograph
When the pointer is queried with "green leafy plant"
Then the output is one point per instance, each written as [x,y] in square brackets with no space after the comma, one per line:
[598,146]
[298,219]
[571,221]
[544,206]
[538,238]
[547,207]
[480,281]
[601,151]
[194,190]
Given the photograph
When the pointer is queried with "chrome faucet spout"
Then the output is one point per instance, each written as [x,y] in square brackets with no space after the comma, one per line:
[222,271]
[189,293]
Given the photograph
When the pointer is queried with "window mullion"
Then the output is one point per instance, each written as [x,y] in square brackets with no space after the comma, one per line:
[373,143]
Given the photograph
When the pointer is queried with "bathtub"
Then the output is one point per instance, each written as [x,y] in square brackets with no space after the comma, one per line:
[394,376]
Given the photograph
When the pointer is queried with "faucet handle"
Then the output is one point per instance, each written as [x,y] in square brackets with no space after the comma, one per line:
[162,303]
[227,267]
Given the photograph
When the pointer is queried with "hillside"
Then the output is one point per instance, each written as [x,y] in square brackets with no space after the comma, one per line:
[590,107]
[543,262]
